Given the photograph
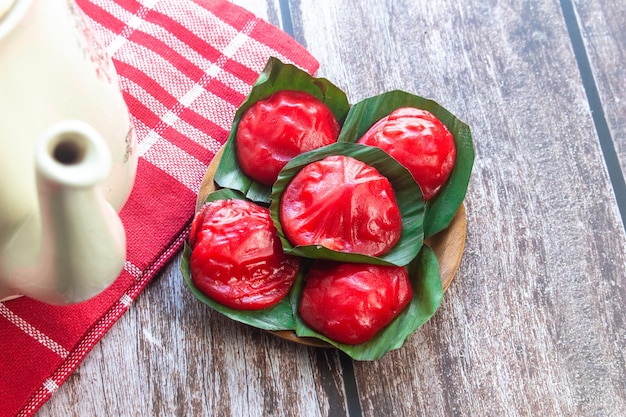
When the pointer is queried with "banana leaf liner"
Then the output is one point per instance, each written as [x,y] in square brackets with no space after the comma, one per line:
[275,77]
[275,318]
[420,219]
[441,208]
[427,296]
[408,196]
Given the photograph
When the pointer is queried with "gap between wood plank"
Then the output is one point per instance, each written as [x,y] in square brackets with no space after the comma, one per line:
[353,405]
[602,130]
[285,14]
[593,98]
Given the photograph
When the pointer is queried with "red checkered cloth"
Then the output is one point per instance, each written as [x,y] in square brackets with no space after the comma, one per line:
[184,68]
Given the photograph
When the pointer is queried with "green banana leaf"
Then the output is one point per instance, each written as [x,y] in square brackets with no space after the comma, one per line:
[440,209]
[408,196]
[277,317]
[420,219]
[275,77]
[427,296]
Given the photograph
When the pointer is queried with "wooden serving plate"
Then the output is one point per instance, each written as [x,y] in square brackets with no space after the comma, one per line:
[448,246]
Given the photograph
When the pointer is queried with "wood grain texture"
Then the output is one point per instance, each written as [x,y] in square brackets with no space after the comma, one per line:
[170,355]
[602,26]
[534,324]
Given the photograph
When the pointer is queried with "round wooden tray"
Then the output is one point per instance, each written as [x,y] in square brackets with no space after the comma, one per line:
[448,246]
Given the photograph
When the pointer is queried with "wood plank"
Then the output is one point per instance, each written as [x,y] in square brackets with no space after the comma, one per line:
[171,355]
[602,26]
[268,10]
[533,325]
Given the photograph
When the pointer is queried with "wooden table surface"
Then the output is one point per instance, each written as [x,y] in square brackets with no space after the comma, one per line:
[535,322]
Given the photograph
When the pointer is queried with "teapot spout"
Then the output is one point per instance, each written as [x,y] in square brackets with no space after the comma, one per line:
[81,245]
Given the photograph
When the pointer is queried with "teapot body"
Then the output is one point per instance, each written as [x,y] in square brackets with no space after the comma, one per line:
[53,69]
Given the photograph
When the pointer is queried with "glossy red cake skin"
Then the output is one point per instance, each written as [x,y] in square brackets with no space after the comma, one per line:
[419,141]
[237,259]
[342,204]
[276,129]
[350,303]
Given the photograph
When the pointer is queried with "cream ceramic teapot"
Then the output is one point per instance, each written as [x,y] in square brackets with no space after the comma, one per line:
[67,155]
